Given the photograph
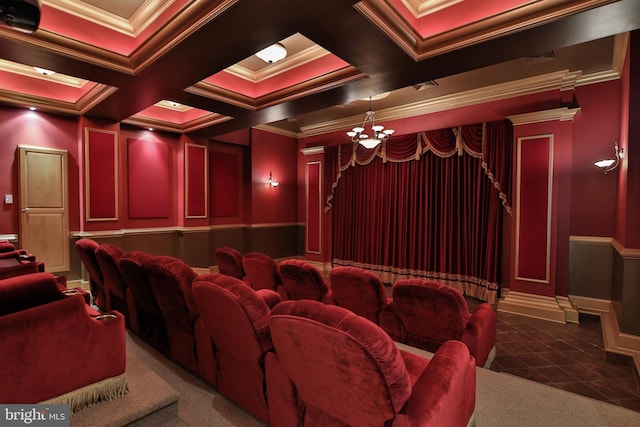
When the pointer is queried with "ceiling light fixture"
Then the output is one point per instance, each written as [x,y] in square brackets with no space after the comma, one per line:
[44,71]
[273,53]
[607,165]
[378,132]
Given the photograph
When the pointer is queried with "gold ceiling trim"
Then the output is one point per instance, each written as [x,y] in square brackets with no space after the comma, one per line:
[190,126]
[308,87]
[97,94]
[148,12]
[421,8]
[303,57]
[381,14]
[22,100]
[29,71]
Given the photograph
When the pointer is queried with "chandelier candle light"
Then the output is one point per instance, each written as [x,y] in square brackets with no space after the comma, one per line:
[378,132]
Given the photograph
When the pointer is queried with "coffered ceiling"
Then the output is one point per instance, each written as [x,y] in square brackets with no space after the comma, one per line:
[189,65]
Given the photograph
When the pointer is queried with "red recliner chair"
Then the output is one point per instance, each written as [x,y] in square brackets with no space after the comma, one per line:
[261,271]
[334,368]
[170,280]
[229,261]
[86,249]
[237,319]
[146,320]
[301,280]
[107,256]
[57,348]
[426,314]
[359,291]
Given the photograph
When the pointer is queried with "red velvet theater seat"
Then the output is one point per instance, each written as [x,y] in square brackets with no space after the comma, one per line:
[229,261]
[146,320]
[334,368]
[301,280]
[107,256]
[261,271]
[359,291]
[425,314]
[237,318]
[86,249]
[55,348]
[190,346]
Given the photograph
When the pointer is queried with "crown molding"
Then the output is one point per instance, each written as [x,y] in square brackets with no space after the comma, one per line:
[421,8]
[277,131]
[29,71]
[191,126]
[561,114]
[310,151]
[531,85]
[532,14]
[148,12]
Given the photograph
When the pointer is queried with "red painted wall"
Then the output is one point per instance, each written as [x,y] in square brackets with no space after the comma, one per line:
[596,129]
[276,154]
[22,127]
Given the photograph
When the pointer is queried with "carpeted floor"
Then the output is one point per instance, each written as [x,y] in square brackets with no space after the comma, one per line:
[179,399]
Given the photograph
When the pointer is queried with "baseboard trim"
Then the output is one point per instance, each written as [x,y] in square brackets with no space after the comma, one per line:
[615,342]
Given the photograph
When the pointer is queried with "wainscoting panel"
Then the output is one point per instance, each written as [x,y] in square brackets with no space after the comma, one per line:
[278,240]
[194,247]
[590,267]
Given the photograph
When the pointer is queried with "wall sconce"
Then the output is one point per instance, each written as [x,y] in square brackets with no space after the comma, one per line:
[273,183]
[607,165]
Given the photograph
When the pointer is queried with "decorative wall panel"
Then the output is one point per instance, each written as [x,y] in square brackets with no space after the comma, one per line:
[225,184]
[196,181]
[533,220]
[314,206]
[101,174]
[149,175]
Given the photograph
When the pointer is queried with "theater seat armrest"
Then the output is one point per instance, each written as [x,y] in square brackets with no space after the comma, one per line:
[270,297]
[445,393]
[480,333]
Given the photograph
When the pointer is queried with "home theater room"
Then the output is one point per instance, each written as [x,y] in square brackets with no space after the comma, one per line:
[331,213]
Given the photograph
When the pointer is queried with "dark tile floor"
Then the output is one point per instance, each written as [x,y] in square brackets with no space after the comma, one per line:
[567,356]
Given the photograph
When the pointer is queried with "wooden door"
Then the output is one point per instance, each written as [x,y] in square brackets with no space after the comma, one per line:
[44,217]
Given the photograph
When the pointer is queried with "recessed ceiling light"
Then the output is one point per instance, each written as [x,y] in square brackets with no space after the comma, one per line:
[150,129]
[32,108]
[44,71]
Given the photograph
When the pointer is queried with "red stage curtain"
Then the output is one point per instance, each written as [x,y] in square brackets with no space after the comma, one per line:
[424,205]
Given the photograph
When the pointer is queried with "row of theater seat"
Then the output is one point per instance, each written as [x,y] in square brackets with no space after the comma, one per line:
[419,313]
[226,332]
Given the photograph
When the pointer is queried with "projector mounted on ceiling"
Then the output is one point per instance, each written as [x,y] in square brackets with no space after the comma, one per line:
[22,15]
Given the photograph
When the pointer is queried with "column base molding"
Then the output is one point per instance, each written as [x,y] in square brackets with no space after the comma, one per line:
[555,309]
